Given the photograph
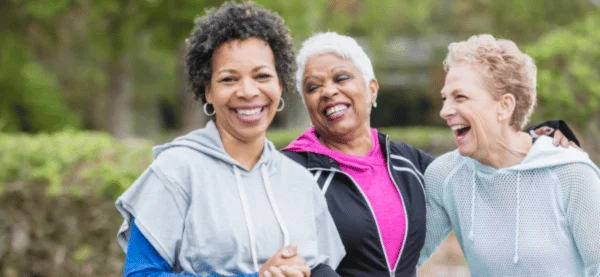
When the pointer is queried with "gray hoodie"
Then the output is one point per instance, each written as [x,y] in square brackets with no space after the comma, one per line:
[205,213]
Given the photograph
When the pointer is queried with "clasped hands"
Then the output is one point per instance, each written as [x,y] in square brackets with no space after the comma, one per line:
[285,263]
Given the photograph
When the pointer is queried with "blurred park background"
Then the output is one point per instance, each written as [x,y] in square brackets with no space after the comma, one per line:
[87,87]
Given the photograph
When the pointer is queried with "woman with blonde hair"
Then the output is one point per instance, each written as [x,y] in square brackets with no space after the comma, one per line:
[517,207]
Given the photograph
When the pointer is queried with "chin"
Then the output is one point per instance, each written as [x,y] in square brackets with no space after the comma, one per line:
[467,150]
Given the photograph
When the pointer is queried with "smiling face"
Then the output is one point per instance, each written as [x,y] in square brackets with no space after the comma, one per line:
[470,110]
[244,89]
[338,100]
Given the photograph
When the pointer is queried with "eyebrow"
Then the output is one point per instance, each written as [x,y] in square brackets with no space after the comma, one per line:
[260,67]
[333,69]
[229,70]
[453,91]
[226,71]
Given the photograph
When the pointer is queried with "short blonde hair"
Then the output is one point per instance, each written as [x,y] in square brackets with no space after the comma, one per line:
[508,71]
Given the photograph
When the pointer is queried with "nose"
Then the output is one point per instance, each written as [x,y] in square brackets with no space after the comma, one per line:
[447,110]
[249,89]
[329,90]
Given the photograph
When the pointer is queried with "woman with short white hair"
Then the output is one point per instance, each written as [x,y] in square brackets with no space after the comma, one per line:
[517,208]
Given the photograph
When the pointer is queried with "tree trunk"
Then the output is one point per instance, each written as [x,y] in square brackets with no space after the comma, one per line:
[190,111]
[120,96]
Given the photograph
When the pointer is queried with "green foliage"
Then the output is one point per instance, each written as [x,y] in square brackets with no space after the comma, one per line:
[72,163]
[568,62]
[420,137]
[31,95]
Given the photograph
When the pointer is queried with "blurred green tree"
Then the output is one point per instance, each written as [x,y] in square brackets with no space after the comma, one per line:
[568,62]
[30,96]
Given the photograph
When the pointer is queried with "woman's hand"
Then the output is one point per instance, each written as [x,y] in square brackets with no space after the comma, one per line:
[285,263]
[559,138]
[288,271]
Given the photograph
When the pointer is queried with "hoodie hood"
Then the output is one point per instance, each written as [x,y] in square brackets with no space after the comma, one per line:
[208,141]
[543,154]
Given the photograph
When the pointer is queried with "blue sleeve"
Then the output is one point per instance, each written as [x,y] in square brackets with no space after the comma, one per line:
[143,260]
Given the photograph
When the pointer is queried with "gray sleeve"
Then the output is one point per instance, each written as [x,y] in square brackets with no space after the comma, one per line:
[437,221]
[581,193]
[158,206]
[330,247]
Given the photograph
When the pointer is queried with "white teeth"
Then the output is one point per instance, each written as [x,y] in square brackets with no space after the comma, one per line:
[335,109]
[248,111]
[458,127]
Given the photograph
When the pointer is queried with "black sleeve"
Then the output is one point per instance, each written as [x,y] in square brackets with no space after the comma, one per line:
[425,159]
[323,270]
[557,125]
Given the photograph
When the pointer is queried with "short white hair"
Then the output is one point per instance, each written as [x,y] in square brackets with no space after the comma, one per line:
[331,42]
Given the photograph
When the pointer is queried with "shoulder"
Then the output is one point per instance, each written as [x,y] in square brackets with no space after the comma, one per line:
[300,158]
[577,174]
[443,165]
[412,153]
[177,163]
[177,154]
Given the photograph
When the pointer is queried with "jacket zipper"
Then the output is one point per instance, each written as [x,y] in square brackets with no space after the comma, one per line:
[387,147]
[392,272]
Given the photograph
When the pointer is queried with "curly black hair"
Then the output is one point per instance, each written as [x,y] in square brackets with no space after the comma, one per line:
[233,21]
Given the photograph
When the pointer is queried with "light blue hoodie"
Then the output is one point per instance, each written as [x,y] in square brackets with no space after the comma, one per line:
[538,218]
[205,213]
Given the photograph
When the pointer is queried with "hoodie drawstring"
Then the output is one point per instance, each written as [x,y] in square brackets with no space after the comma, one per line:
[516,258]
[472,206]
[282,226]
[517,214]
[248,216]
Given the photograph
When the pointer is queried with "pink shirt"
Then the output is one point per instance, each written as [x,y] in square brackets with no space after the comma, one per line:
[371,174]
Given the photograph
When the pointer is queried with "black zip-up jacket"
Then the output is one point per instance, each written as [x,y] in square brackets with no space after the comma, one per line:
[354,217]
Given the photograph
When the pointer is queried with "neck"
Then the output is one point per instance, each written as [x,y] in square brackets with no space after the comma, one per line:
[509,149]
[246,152]
[357,143]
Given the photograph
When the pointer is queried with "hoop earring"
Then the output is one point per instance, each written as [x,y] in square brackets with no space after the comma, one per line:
[281,105]
[205,108]
[374,104]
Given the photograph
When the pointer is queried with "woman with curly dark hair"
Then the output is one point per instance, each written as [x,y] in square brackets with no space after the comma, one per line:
[222,200]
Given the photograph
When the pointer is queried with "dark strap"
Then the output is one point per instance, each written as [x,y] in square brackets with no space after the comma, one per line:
[557,125]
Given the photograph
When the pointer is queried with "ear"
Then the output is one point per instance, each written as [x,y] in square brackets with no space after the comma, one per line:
[507,107]
[373,89]
[207,93]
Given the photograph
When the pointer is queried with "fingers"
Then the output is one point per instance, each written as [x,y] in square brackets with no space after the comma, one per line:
[558,136]
[289,251]
[564,142]
[543,131]
[574,145]
[288,271]
[276,272]
[305,270]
